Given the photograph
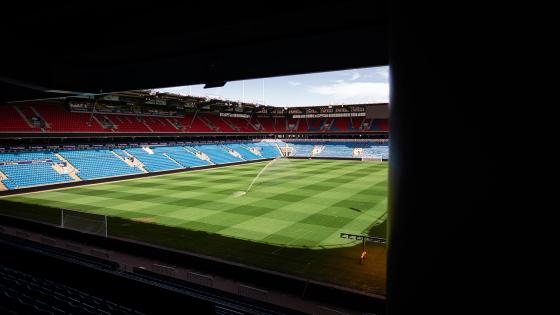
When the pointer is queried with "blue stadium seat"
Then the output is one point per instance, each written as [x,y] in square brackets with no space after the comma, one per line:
[302,149]
[338,149]
[267,149]
[244,150]
[181,155]
[98,164]
[154,162]
[217,154]
[31,169]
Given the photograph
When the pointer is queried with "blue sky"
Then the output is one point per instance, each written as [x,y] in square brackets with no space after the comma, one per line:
[364,85]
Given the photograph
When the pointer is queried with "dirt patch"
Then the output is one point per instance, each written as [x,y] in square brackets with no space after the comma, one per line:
[145,219]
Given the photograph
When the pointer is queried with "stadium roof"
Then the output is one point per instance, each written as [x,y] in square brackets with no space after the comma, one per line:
[155,98]
[87,48]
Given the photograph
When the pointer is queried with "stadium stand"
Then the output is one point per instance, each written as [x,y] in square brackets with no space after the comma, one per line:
[26,175]
[341,123]
[11,120]
[376,150]
[218,155]
[266,149]
[160,124]
[153,162]
[55,118]
[192,123]
[242,124]
[379,125]
[61,120]
[267,124]
[30,169]
[220,123]
[355,123]
[181,155]
[338,149]
[244,150]
[98,163]
[303,150]
[315,124]
[27,169]
[22,293]
[124,123]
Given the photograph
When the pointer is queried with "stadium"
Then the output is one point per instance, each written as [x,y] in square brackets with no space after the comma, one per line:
[267,187]
[133,180]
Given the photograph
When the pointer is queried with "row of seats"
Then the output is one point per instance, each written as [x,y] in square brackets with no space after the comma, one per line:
[31,169]
[218,155]
[22,293]
[337,150]
[25,175]
[94,164]
[153,162]
[267,150]
[340,149]
[36,168]
[244,150]
[58,119]
[181,155]
[302,150]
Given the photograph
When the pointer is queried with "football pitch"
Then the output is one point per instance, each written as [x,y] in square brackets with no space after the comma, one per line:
[288,221]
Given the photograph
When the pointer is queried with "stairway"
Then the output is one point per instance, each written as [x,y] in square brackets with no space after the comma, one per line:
[317,149]
[2,177]
[172,124]
[230,124]
[23,116]
[234,153]
[72,171]
[255,127]
[255,151]
[199,154]
[208,123]
[137,163]
[175,161]
[357,152]
[147,126]
[36,112]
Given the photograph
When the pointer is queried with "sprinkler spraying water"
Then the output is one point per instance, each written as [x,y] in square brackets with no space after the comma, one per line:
[242,193]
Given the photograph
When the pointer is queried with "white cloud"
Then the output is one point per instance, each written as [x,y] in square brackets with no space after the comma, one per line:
[379,74]
[294,83]
[355,76]
[354,91]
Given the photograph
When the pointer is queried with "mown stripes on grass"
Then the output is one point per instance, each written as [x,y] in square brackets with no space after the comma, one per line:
[290,221]
[296,203]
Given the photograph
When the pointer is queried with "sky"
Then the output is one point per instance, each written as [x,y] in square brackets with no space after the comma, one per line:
[364,85]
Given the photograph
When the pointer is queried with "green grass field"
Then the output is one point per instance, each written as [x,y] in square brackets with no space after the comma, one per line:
[289,221]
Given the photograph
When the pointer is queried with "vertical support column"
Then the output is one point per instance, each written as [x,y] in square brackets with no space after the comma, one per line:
[447,248]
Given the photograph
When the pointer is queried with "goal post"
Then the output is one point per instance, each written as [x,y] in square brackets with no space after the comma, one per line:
[84,222]
[372,158]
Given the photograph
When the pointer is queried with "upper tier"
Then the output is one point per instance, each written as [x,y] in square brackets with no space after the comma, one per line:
[54,118]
